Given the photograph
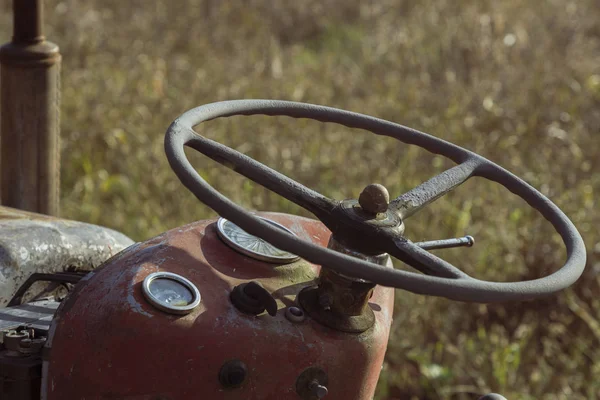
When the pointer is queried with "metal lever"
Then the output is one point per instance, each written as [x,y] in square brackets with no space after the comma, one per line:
[466,241]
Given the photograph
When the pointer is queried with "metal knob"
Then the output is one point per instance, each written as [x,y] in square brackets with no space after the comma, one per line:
[374,199]
[253,298]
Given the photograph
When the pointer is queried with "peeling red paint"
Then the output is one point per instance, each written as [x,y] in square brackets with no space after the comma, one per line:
[109,342]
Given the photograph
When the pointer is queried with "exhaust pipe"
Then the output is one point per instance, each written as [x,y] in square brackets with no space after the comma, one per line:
[29,112]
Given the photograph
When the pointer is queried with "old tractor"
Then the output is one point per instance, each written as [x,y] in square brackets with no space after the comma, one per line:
[250,306]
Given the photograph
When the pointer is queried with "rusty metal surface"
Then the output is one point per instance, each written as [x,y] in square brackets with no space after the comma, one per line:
[30,113]
[32,243]
[108,342]
[357,229]
[19,376]
[340,301]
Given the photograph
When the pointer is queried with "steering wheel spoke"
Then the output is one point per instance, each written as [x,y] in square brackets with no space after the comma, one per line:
[424,261]
[269,178]
[427,192]
[371,218]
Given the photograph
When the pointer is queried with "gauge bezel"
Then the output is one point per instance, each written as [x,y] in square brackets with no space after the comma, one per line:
[290,258]
[179,310]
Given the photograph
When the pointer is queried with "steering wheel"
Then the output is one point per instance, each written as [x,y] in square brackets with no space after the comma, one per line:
[369,232]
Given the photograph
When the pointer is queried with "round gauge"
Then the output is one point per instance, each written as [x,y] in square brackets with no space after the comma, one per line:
[171,293]
[254,246]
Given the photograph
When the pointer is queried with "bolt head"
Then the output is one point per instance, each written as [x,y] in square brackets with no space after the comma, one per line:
[318,390]
[374,199]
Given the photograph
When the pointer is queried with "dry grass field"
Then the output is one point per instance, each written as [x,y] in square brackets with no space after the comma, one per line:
[516,80]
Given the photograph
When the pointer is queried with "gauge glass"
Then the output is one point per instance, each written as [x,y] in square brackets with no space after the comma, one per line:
[171,292]
[251,245]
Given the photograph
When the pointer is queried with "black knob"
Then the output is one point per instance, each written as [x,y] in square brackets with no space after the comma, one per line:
[253,298]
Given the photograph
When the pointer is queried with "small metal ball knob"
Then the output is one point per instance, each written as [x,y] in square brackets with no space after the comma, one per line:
[374,199]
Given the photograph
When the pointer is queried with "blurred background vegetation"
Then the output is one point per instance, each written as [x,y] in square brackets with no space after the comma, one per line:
[517,81]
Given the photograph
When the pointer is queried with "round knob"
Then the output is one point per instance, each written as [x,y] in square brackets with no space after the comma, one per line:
[252,298]
[374,198]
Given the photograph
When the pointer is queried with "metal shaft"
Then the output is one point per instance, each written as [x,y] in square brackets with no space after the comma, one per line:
[29,108]
[28,16]
[466,241]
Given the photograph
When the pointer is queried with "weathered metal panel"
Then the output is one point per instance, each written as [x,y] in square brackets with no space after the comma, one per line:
[37,314]
[38,243]
[108,342]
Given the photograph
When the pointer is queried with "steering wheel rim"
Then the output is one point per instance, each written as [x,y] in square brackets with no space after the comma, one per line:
[455,285]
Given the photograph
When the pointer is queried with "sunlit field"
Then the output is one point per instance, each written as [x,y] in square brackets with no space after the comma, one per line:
[516,81]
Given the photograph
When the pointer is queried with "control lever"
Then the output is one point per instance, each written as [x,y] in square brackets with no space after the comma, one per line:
[466,241]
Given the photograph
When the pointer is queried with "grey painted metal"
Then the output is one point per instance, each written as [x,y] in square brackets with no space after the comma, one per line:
[30,244]
[29,101]
[467,241]
[415,199]
[444,279]
[37,313]
[60,278]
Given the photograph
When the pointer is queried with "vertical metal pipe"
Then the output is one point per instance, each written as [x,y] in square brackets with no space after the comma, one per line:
[28,18]
[29,112]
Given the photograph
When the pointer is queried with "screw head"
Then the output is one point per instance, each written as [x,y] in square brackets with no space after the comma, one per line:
[374,199]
